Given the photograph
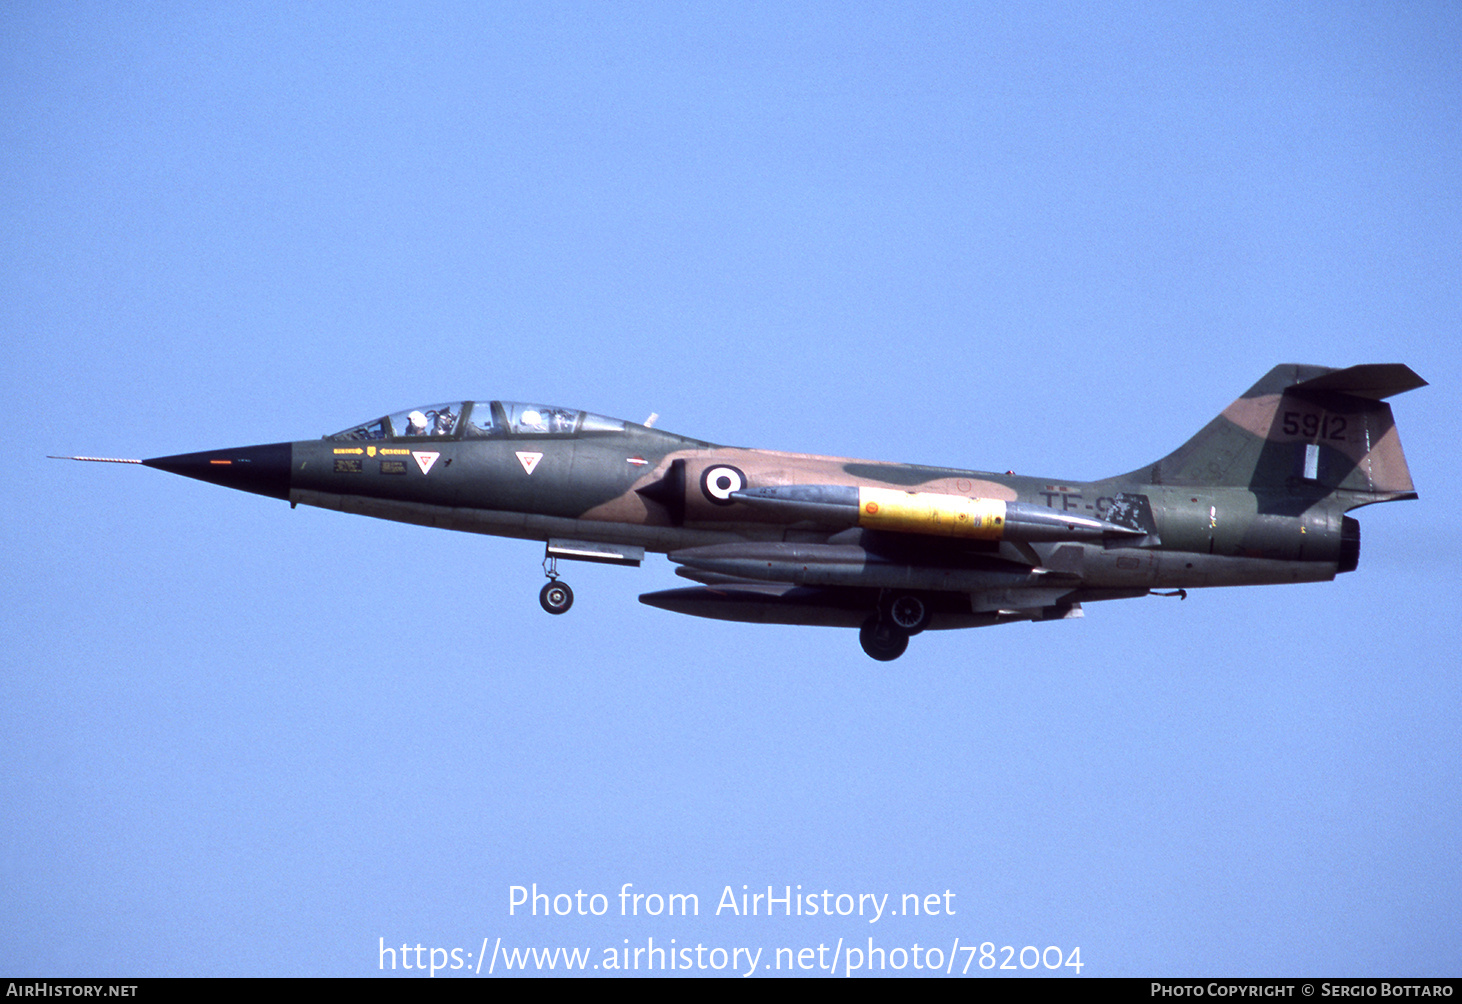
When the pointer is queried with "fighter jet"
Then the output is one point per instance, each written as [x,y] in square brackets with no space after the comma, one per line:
[1258,496]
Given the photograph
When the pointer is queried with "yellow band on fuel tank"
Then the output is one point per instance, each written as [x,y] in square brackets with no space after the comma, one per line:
[930,512]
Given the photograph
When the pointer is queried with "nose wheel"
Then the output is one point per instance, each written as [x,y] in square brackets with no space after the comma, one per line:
[556,597]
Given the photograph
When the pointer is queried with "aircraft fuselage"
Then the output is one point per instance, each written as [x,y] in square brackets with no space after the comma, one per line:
[1258,496]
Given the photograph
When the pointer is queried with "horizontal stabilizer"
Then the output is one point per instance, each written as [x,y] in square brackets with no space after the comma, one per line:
[1375,381]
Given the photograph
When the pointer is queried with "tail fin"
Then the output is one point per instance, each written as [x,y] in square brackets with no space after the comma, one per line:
[1298,427]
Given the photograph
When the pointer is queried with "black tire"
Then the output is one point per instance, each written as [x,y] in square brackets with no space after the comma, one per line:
[882,639]
[556,597]
[908,612]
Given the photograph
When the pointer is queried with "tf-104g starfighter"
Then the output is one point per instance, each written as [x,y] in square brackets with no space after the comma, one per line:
[1258,496]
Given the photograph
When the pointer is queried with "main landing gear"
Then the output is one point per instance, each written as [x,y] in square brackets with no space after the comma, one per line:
[885,634]
[882,639]
[556,597]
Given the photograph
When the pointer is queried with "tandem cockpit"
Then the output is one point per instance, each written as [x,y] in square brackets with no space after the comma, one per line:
[503,420]
[481,420]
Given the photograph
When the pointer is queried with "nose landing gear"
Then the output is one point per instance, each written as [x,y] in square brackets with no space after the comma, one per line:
[556,597]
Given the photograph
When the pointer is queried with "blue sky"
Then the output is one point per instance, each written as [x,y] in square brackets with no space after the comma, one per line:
[241,739]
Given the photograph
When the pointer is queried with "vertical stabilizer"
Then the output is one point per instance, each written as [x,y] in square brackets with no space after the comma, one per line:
[1299,427]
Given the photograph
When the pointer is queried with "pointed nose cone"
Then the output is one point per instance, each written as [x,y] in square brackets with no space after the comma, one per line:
[263,470]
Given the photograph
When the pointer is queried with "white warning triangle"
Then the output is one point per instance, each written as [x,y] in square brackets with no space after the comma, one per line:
[425,460]
[529,460]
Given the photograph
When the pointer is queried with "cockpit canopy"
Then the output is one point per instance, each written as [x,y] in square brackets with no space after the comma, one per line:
[481,420]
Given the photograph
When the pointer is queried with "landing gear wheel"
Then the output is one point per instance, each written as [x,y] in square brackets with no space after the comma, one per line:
[556,597]
[882,639]
[908,613]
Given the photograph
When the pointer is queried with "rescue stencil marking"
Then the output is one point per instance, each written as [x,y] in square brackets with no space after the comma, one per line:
[424,460]
[529,461]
